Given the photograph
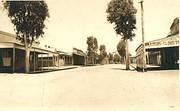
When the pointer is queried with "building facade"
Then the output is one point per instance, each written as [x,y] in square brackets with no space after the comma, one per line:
[163,52]
[12,55]
[79,57]
[65,58]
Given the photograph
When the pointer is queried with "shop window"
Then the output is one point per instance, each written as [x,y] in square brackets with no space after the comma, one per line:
[6,53]
[6,57]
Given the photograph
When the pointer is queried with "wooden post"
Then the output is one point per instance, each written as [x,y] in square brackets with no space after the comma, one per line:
[72,59]
[41,61]
[58,60]
[65,60]
[34,60]
[147,62]
[14,57]
[48,61]
[69,60]
[143,43]
[54,61]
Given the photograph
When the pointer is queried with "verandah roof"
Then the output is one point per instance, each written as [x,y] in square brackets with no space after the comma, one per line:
[21,46]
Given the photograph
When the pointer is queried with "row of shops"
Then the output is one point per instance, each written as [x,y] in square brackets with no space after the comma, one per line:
[163,53]
[12,56]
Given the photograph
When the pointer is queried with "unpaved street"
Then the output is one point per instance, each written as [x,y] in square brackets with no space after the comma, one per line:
[96,88]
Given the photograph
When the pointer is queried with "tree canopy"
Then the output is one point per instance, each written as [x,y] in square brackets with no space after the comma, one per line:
[110,56]
[121,48]
[116,58]
[103,52]
[121,13]
[28,18]
[102,48]
[92,46]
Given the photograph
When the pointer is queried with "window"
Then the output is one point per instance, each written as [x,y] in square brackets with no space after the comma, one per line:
[6,57]
[6,52]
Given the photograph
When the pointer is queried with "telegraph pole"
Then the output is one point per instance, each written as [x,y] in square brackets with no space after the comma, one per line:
[143,43]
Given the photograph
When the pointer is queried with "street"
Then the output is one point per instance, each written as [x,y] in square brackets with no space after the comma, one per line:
[97,88]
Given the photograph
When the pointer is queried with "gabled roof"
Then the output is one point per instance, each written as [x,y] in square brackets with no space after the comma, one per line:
[78,52]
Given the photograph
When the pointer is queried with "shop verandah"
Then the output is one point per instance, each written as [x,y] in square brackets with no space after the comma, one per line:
[165,58]
[12,58]
[65,59]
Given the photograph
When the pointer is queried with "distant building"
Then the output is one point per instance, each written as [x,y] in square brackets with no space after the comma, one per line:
[161,52]
[48,61]
[79,57]
[65,58]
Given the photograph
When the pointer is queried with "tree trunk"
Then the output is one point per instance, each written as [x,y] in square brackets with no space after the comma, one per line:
[27,54]
[124,60]
[27,65]
[127,55]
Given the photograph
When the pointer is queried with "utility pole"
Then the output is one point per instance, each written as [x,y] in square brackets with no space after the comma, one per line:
[143,43]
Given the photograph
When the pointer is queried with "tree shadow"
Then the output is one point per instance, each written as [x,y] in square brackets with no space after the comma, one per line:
[123,69]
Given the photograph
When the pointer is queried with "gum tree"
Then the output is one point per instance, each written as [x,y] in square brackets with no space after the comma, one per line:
[103,53]
[121,48]
[121,13]
[28,18]
[92,48]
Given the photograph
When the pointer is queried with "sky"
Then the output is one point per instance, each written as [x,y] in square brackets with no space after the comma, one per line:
[72,21]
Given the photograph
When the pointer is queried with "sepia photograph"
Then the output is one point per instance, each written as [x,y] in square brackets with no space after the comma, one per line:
[89,55]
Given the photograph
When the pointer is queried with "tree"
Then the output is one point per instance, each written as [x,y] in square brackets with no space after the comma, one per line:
[116,58]
[111,58]
[102,48]
[28,18]
[121,13]
[103,53]
[121,48]
[92,48]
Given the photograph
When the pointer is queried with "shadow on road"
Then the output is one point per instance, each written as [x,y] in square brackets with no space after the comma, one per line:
[122,69]
[45,71]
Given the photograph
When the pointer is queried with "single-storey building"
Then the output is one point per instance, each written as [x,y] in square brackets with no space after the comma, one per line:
[12,54]
[163,52]
[65,58]
[79,57]
[48,60]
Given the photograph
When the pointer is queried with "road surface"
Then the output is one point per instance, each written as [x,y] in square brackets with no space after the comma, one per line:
[95,88]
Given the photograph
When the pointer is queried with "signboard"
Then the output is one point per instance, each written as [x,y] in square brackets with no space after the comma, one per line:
[165,42]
